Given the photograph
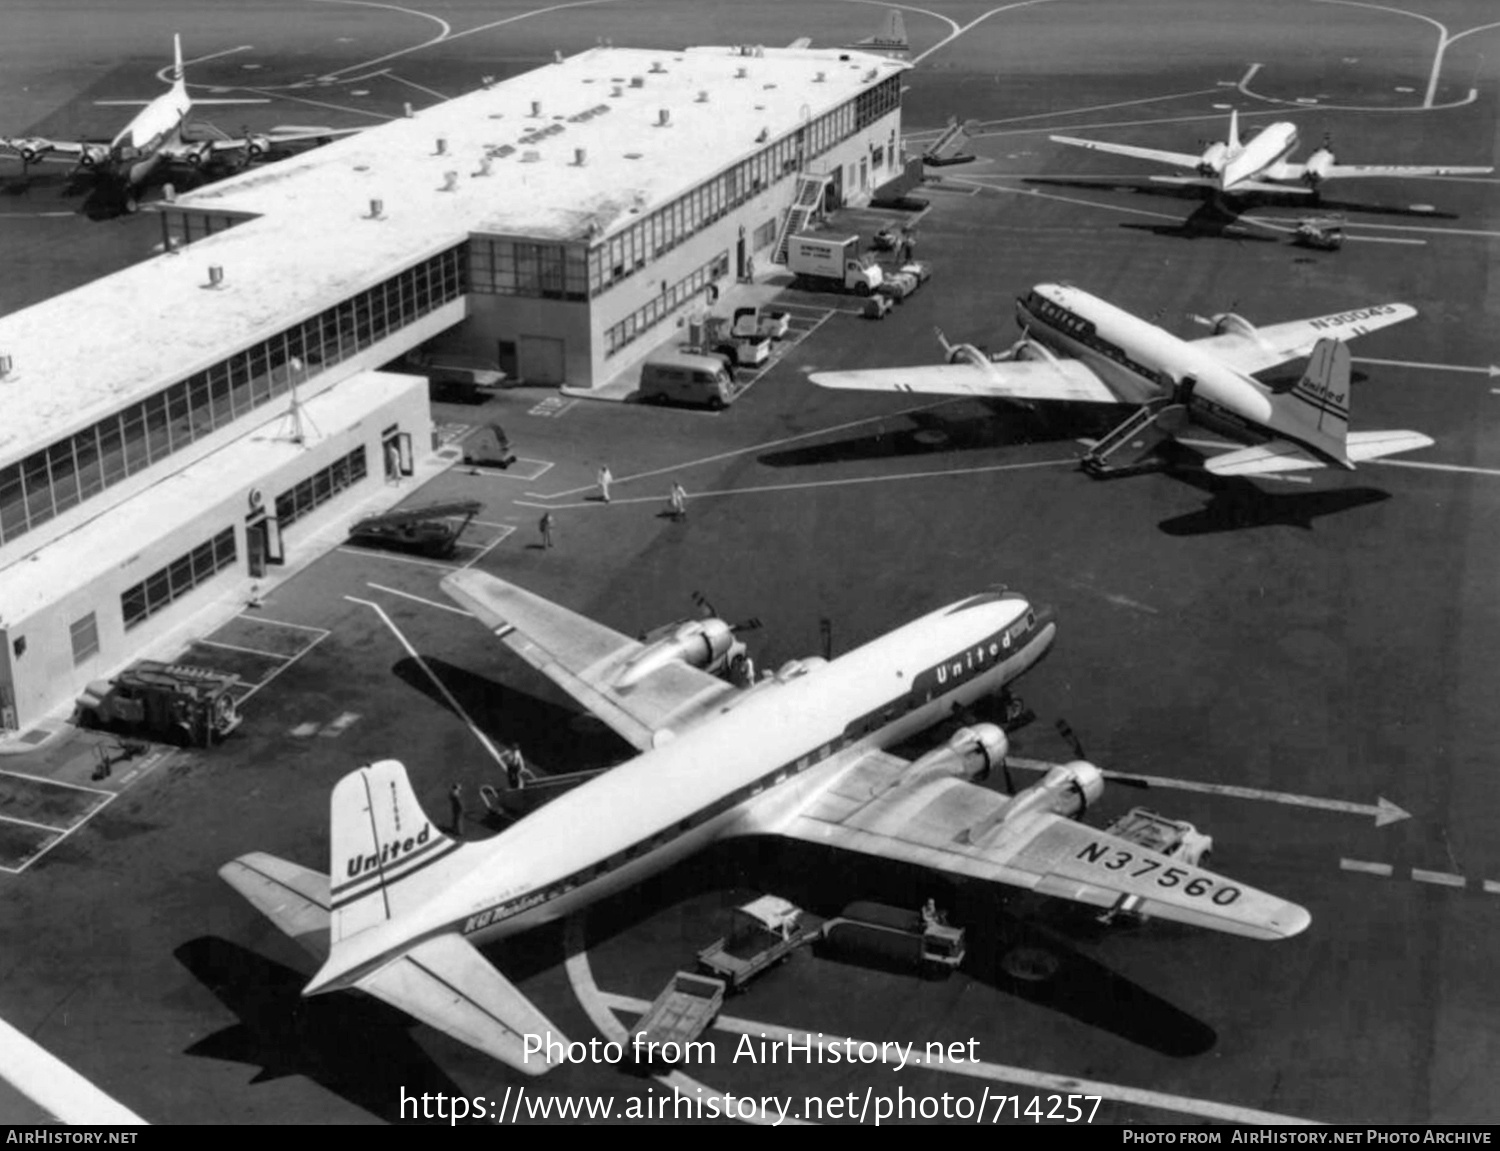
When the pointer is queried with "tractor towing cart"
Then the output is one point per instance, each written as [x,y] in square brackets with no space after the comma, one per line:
[1175,838]
[888,936]
[428,530]
[172,702]
[764,931]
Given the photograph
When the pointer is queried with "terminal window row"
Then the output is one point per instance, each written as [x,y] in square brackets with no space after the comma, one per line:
[182,575]
[49,482]
[661,306]
[321,486]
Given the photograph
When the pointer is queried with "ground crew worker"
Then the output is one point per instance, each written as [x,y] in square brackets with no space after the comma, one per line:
[514,764]
[908,246]
[456,807]
[605,479]
[678,500]
[545,524]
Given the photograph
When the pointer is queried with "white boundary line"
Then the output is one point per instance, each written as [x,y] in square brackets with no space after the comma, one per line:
[420,599]
[397,559]
[54,1086]
[57,782]
[237,647]
[281,623]
[287,662]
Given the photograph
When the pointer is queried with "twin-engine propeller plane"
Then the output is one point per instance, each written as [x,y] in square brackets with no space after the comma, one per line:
[1260,163]
[798,754]
[1078,348]
[156,136]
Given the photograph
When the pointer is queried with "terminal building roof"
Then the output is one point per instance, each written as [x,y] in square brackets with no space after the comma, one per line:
[570,151]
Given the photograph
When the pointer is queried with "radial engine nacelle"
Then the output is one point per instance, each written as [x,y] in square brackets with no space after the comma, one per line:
[31,148]
[705,643]
[1315,170]
[200,154]
[1228,323]
[970,751]
[1070,788]
[961,353]
[1211,163]
[257,146]
[93,155]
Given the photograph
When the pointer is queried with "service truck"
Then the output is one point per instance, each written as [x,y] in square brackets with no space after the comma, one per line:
[762,932]
[880,935]
[835,263]
[1174,838]
[681,1013]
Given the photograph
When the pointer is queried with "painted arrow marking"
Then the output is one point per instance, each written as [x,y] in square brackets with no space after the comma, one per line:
[1490,370]
[1384,811]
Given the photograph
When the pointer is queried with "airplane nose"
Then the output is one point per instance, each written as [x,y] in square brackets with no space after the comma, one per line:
[1045,613]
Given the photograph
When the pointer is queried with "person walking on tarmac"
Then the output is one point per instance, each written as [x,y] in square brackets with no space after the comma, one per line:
[605,479]
[515,766]
[545,524]
[456,808]
[678,502]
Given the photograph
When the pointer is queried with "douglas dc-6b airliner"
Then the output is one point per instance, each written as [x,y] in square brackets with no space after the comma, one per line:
[1260,164]
[798,754]
[1076,347]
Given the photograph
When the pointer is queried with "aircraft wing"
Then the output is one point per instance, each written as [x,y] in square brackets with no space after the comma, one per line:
[587,659]
[1176,159]
[445,983]
[289,134]
[294,898]
[1022,380]
[1274,344]
[1238,185]
[43,150]
[951,825]
[801,42]
[1350,171]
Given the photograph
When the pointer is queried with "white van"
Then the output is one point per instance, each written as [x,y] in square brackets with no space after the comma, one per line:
[687,378]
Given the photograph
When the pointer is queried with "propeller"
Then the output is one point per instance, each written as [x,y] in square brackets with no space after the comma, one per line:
[707,610]
[1077,745]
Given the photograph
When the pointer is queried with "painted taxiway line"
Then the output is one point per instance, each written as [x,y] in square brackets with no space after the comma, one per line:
[420,599]
[1490,370]
[997,1072]
[457,707]
[765,488]
[1420,875]
[1383,810]
[54,1086]
[1365,867]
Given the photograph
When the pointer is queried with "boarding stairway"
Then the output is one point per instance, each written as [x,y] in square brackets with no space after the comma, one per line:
[1128,448]
[805,205]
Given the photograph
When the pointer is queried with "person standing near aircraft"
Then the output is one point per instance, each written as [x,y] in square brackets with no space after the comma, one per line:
[515,765]
[545,525]
[456,807]
[606,477]
[678,502]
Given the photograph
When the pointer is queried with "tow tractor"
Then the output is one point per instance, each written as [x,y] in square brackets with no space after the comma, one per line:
[1174,838]
[924,939]
[1325,233]
[175,702]
[745,349]
[762,932]
[428,530]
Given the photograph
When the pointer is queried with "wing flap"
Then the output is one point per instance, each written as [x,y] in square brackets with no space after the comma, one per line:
[1276,344]
[1176,159]
[586,659]
[446,984]
[1264,459]
[294,898]
[1023,380]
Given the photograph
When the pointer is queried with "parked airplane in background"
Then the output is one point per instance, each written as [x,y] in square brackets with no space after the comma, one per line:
[798,754]
[155,136]
[1260,164]
[889,41]
[1117,358]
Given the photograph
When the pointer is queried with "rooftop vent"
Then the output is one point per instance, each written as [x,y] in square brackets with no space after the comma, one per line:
[530,157]
[741,72]
[487,81]
[216,276]
[442,147]
[656,66]
[557,56]
[536,107]
[580,156]
[450,181]
[406,110]
[871,74]
[703,97]
[820,77]
[617,91]
[377,210]
[765,134]
[169,191]
[638,81]
[484,167]
[663,117]
[5,366]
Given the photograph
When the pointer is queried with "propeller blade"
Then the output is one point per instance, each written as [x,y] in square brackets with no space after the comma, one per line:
[751,624]
[1073,741]
[1128,781]
[1010,783]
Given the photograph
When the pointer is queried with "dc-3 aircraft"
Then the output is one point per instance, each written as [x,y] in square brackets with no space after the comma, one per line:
[798,754]
[1076,347]
[155,136]
[1260,164]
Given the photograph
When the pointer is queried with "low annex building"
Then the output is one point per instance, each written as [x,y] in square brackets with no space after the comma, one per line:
[175,428]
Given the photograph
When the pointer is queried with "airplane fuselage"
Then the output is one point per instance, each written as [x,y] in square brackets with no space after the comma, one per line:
[137,150]
[769,751]
[1139,361]
[1258,157]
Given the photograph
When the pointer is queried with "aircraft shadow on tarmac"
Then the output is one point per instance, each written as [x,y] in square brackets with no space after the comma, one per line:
[61,190]
[351,1045]
[1236,503]
[1017,956]
[1320,205]
[969,426]
[554,737]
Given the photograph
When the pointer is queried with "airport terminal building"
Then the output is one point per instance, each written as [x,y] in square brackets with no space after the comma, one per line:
[176,430]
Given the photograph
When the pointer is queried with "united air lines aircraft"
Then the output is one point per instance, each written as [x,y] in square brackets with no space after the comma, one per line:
[155,136]
[798,754]
[1260,164]
[1076,347]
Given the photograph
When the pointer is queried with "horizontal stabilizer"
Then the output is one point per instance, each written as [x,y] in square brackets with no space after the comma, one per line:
[294,898]
[448,985]
[1263,459]
[1372,445]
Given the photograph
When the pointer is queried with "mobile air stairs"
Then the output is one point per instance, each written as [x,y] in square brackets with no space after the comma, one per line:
[1130,448]
[805,205]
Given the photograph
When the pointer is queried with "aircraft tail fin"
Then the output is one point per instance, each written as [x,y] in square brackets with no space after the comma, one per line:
[387,856]
[178,78]
[890,39]
[1234,130]
[1319,403]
